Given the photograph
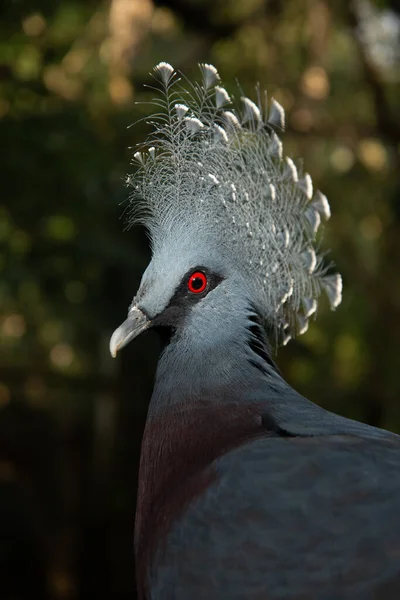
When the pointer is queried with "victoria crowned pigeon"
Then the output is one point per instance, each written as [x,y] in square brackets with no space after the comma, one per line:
[247,490]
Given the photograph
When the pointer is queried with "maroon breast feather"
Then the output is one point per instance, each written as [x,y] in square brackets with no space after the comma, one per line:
[178,450]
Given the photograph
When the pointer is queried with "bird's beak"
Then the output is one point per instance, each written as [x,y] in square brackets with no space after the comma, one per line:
[136,322]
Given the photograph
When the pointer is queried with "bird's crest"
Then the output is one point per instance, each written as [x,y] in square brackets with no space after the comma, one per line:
[220,170]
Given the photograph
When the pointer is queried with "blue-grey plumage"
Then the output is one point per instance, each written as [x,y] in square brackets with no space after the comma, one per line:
[290,517]
[246,490]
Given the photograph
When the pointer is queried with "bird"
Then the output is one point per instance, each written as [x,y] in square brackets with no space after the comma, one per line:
[247,490]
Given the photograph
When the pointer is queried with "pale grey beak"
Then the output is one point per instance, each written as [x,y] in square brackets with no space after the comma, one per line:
[136,322]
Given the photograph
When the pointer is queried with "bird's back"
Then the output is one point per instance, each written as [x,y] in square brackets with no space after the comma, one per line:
[289,517]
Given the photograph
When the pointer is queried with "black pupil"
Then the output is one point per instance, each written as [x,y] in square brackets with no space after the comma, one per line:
[197,283]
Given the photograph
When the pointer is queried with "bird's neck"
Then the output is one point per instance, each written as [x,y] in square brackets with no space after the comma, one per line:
[226,372]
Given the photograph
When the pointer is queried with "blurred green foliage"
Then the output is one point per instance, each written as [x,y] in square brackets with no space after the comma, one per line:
[70,74]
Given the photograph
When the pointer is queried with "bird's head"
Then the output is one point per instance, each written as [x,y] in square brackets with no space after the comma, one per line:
[232,223]
[190,286]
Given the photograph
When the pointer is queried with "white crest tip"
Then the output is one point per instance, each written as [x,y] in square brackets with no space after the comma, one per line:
[302,323]
[333,285]
[290,169]
[272,191]
[321,205]
[210,75]
[313,218]
[276,117]
[305,184]
[309,259]
[286,339]
[309,306]
[276,145]
[220,134]
[193,124]
[164,71]
[251,112]
[221,96]
[139,157]
[181,110]
[213,179]
[231,119]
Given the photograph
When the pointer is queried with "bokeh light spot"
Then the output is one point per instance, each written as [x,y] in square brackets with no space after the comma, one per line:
[315,83]
[13,326]
[28,63]
[121,90]
[342,159]
[302,119]
[373,154]
[57,81]
[62,355]
[163,21]
[34,25]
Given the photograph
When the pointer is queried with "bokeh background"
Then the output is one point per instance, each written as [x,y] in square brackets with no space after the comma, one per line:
[71,419]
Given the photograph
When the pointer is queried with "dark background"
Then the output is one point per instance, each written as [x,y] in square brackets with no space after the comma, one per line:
[71,418]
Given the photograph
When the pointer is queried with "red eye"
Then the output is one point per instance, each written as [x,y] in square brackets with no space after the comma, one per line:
[197,282]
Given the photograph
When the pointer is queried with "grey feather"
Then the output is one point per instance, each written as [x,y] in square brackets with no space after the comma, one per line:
[321,205]
[221,96]
[276,117]
[313,218]
[310,306]
[333,288]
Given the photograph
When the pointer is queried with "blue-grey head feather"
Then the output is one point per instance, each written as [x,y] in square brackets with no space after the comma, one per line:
[212,187]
